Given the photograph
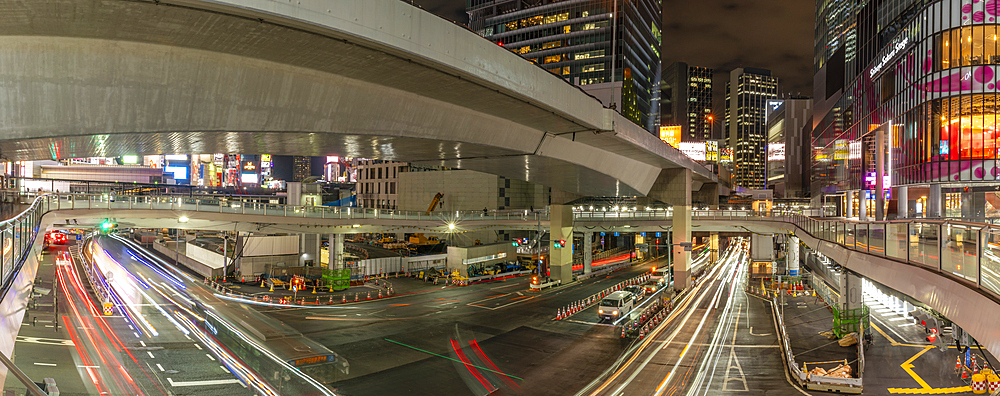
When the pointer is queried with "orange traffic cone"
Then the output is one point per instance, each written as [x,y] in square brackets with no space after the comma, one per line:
[958,363]
[965,373]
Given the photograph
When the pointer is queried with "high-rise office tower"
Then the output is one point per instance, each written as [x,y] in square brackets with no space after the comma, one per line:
[747,94]
[301,168]
[686,100]
[578,40]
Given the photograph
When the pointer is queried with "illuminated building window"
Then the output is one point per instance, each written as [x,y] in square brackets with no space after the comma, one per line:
[595,67]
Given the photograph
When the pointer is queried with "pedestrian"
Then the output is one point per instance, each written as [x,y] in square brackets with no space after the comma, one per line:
[532,208]
[484,212]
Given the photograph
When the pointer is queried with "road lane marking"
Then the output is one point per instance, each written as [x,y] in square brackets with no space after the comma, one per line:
[159,367]
[142,343]
[210,357]
[589,323]
[197,346]
[151,355]
[202,383]
[489,298]
[45,341]
[45,364]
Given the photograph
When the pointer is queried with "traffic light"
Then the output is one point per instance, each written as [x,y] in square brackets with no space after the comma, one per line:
[107,226]
[515,243]
[560,243]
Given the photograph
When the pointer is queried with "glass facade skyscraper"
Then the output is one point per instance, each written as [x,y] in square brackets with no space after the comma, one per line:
[923,74]
[686,100]
[578,39]
[747,95]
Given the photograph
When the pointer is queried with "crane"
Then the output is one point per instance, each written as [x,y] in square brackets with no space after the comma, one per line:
[435,202]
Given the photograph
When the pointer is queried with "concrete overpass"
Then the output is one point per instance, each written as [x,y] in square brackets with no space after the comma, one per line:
[374,79]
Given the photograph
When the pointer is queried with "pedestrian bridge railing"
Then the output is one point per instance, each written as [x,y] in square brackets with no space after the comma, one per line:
[965,251]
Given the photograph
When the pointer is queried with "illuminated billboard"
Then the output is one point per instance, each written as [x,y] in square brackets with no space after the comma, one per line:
[712,150]
[670,134]
[695,150]
[248,178]
[179,172]
[775,151]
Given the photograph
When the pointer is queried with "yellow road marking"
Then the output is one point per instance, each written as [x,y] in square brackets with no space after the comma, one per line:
[907,366]
[891,341]
[931,391]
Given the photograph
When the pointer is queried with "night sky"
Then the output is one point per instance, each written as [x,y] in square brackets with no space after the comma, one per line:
[724,34]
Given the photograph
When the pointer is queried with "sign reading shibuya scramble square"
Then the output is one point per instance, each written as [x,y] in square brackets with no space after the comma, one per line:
[895,50]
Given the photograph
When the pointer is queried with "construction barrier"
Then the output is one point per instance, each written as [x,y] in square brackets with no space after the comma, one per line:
[993,382]
[978,384]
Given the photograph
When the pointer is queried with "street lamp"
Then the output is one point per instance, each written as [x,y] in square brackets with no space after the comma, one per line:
[183,219]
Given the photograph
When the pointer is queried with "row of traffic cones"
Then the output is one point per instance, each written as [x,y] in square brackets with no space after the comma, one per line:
[577,306]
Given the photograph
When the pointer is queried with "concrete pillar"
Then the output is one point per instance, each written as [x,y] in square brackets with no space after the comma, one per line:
[336,252]
[850,290]
[902,203]
[792,256]
[713,246]
[879,172]
[849,204]
[681,232]
[309,248]
[862,205]
[673,187]
[588,252]
[934,201]
[561,228]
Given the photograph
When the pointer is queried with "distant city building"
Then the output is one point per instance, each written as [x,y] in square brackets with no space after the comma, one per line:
[377,183]
[573,40]
[747,94]
[301,168]
[468,190]
[789,127]
[686,100]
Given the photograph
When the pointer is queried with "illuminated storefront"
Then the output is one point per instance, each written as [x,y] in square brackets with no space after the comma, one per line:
[930,88]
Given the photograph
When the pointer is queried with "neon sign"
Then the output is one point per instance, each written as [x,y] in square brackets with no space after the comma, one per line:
[896,49]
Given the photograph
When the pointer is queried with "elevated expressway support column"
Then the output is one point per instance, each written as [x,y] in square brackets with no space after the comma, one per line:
[336,252]
[792,256]
[561,228]
[309,248]
[713,246]
[673,187]
[850,290]
[588,255]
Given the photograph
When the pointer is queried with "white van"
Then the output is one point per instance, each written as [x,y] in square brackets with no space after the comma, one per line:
[661,273]
[616,305]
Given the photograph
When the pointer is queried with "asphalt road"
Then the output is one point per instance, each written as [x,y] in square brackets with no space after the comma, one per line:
[424,342]
[718,340]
